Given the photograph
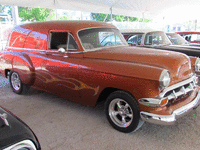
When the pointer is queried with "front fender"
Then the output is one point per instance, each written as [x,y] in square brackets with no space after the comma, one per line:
[193,60]
[138,79]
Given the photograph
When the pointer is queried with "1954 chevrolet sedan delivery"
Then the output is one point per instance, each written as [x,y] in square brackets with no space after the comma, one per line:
[88,62]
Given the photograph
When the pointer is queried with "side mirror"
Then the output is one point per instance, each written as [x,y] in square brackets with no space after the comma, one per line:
[132,44]
[61,50]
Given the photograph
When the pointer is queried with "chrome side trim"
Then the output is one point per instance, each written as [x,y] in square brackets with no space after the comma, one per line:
[44,50]
[23,144]
[170,119]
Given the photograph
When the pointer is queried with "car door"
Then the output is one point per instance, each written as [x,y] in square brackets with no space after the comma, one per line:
[62,65]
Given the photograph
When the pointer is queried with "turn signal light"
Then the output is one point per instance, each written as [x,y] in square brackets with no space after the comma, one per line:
[164,102]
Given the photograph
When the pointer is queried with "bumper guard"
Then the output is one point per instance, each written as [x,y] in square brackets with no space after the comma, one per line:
[171,119]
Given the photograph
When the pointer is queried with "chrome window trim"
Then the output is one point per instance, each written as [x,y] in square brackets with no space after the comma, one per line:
[23,144]
[71,52]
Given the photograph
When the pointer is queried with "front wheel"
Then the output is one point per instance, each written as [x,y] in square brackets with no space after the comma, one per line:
[16,84]
[122,111]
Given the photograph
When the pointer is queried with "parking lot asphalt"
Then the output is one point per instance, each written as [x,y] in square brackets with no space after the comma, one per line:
[64,125]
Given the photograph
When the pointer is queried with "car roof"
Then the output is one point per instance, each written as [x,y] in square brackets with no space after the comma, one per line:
[171,33]
[188,32]
[138,30]
[74,26]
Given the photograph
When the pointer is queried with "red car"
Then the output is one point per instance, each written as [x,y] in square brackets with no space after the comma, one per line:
[191,36]
[90,62]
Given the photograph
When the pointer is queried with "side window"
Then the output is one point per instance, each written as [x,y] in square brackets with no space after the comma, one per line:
[62,40]
[58,40]
[149,39]
[135,39]
[156,38]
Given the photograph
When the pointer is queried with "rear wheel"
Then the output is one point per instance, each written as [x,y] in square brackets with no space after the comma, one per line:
[122,112]
[16,84]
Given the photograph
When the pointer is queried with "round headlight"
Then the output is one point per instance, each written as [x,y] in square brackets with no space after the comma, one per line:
[197,65]
[164,78]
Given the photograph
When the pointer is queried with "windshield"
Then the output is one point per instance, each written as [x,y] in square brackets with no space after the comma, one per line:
[176,39]
[135,39]
[156,38]
[96,38]
[191,37]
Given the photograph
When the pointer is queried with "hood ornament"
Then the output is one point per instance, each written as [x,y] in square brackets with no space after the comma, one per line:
[3,117]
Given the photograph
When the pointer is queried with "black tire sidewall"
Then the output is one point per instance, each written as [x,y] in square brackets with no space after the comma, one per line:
[21,87]
[134,106]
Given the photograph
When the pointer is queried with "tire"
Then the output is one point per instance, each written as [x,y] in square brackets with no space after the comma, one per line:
[16,84]
[122,112]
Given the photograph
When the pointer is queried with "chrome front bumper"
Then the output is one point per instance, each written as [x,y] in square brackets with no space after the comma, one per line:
[170,119]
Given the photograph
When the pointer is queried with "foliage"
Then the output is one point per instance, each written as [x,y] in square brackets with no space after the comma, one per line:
[63,18]
[35,14]
[6,9]
[120,18]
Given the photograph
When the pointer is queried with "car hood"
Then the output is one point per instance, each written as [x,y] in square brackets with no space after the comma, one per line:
[15,132]
[187,46]
[186,49]
[178,64]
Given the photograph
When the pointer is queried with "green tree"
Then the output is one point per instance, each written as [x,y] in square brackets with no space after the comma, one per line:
[63,18]
[35,14]
[101,17]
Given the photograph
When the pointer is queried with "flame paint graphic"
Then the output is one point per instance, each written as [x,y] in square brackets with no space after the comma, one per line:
[76,84]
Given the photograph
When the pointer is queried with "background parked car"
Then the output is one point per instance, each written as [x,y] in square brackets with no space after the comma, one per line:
[15,134]
[176,39]
[190,36]
[157,39]
[109,39]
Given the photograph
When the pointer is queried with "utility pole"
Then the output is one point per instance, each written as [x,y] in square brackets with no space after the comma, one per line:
[195,25]
[15,15]
[111,19]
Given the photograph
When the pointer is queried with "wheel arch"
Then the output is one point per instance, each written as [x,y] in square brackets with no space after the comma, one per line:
[7,72]
[24,66]
[107,91]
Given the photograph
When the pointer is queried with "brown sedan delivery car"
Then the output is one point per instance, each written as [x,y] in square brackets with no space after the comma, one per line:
[88,62]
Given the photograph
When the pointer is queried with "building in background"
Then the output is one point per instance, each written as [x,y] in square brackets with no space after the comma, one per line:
[5,28]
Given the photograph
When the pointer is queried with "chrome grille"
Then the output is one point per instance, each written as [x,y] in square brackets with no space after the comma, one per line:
[180,89]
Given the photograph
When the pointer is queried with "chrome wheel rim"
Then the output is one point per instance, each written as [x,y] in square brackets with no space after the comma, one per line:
[15,81]
[120,112]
